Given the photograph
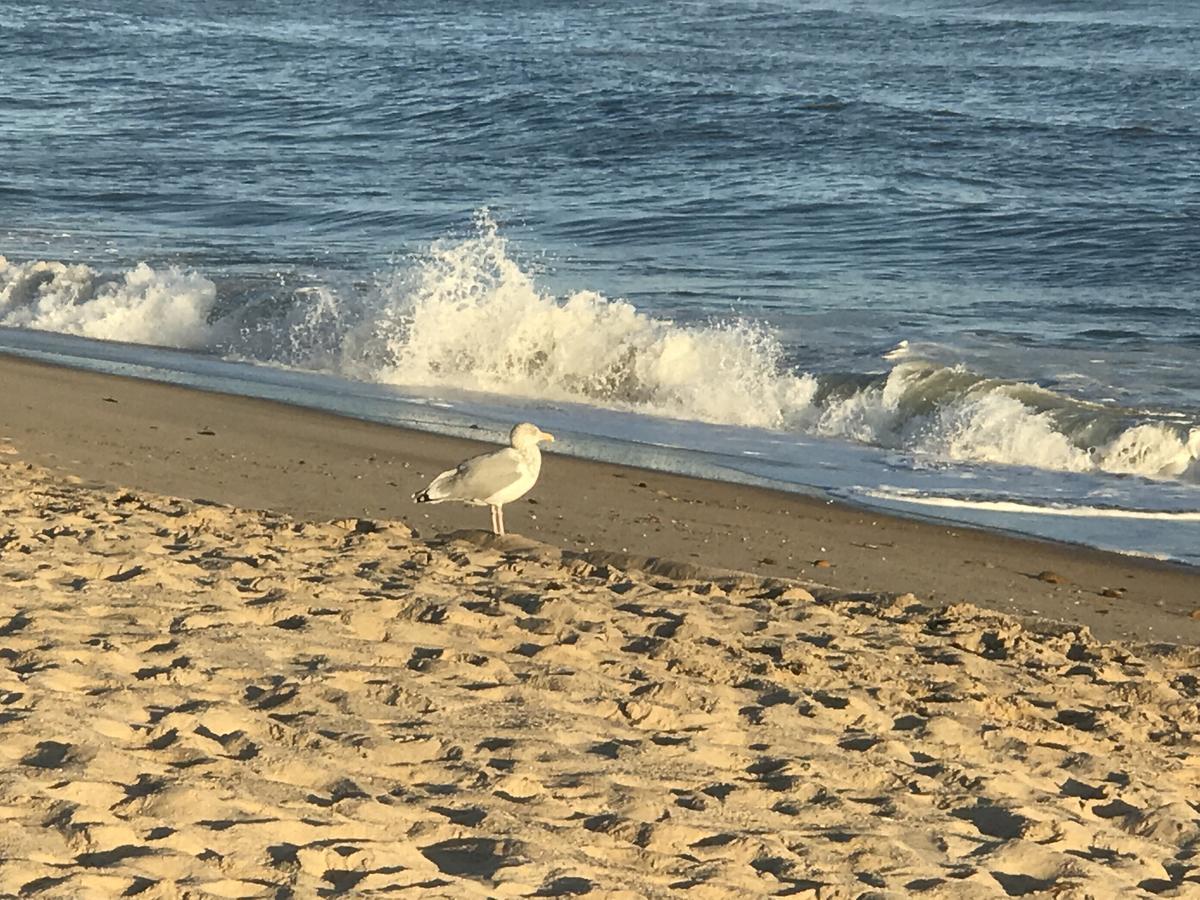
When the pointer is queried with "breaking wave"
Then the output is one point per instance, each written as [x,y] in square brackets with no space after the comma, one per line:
[170,308]
[467,315]
[951,413]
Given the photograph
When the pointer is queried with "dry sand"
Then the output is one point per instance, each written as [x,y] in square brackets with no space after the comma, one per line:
[207,701]
[202,701]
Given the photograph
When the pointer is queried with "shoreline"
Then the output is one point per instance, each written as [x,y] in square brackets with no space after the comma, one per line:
[262,454]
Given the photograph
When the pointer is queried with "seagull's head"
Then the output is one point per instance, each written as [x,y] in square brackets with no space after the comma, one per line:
[527,435]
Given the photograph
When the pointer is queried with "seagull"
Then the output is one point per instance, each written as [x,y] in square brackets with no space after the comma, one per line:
[492,479]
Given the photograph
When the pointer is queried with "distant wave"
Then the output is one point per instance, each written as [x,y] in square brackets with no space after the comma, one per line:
[467,315]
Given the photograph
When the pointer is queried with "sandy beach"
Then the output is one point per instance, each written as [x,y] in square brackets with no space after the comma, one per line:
[238,662]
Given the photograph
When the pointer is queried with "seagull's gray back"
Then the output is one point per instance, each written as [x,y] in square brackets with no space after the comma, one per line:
[477,478]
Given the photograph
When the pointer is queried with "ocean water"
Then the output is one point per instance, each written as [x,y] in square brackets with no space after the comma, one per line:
[940,258]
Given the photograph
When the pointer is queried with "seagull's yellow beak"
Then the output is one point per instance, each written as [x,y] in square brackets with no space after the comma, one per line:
[545,436]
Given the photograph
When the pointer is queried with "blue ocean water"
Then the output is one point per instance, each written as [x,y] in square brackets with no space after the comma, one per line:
[938,257]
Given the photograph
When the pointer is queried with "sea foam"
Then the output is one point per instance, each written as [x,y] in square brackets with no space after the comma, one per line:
[469,316]
[168,307]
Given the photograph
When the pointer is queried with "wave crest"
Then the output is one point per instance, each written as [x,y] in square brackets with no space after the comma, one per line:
[951,413]
[468,316]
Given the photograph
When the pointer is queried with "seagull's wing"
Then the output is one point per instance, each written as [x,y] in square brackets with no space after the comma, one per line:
[478,478]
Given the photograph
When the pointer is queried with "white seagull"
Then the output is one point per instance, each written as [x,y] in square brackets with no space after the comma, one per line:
[492,479]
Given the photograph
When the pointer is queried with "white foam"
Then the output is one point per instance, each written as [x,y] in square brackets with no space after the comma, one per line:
[1011,506]
[1153,449]
[950,414]
[169,307]
[993,427]
[469,317]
